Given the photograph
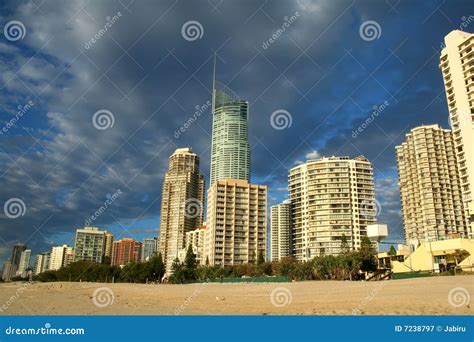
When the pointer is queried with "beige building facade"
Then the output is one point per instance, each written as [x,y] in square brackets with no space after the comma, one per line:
[280,231]
[430,190]
[457,66]
[236,231]
[181,204]
[331,197]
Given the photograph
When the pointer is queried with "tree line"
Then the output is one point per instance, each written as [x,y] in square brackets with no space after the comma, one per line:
[349,265]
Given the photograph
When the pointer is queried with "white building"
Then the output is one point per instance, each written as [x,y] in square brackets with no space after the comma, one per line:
[24,263]
[59,257]
[330,198]
[457,66]
[280,231]
[236,231]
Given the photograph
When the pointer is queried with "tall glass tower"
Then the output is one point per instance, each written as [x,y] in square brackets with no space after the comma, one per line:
[230,151]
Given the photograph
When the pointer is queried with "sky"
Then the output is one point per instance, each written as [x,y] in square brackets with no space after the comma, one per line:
[95,97]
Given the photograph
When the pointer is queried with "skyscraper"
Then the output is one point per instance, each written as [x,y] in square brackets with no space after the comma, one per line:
[181,203]
[58,257]
[230,150]
[18,248]
[331,197]
[149,248]
[430,189]
[24,264]
[236,231]
[456,64]
[90,244]
[109,240]
[280,231]
[125,251]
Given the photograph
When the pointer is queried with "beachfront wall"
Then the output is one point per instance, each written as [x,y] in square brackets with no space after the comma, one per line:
[437,256]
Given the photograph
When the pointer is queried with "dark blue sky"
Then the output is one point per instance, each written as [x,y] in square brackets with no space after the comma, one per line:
[151,76]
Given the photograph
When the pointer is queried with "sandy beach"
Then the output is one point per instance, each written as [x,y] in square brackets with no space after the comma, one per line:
[421,296]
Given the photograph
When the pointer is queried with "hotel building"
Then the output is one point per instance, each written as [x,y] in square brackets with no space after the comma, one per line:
[236,222]
[280,231]
[330,198]
[125,251]
[181,204]
[430,190]
[230,149]
[457,66]
[89,245]
[60,256]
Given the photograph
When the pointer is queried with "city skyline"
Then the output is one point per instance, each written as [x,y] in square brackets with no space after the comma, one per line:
[416,97]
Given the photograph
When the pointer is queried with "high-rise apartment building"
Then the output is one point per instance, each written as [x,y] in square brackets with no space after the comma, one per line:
[230,149]
[280,231]
[18,248]
[24,264]
[59,257]
[109,240]
[181,203]
[90,244]
[149,248]
[457,66]
[236,231]
[431,194]
[41,263]
[330,197]
[7,271]
[196,239]
[125,251]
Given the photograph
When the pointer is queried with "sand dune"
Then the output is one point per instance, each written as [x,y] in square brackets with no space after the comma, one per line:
[422,296]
